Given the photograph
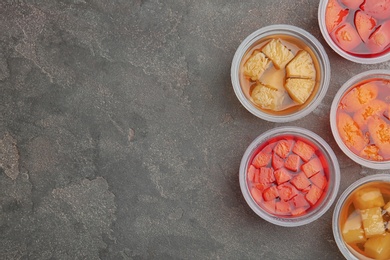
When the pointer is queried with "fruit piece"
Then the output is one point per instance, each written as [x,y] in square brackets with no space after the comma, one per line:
[299,201]
[300,181]
[278,53]
[262,186]
[268,148]
[334,15]
[359,96]
[350,133]
[299,89]
[372,222]
[380,133]
[287,191]
[319,180]
[252,172]
[353,4]
[304,150]
[313,195]
[282,176]
[270,193]
[374,107]
[379,9]
[364,24]
[266,175]
[380,38]
[257,195]
[301,66]
[270,206]
[292,162]
[353,229]
[387,207]
[312,167]
[368,197]
[255,66]
[346,37]
[298,211]
[378,247]
[283,148]
[282,208]
[267,97]
[371,152]
[262,159]
[277,161]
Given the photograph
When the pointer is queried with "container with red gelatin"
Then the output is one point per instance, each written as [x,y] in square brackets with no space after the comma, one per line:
[298,184]
[358,30]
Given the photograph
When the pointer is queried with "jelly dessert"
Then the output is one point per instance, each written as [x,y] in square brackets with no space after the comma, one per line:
[288,176]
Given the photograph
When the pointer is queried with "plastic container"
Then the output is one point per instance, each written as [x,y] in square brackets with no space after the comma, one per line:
[358,154]
[339,213]
[290,34]
[330,170]
[367,58]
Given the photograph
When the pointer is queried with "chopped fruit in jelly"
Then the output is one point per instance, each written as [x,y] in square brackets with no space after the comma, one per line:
[304,150]
[365,25]
[378,247]
[261,159]
[346,37]
[379,9]
[380,38]
[380,133]
[353,229]
[277,161]
[366,198]
[372,220]
[287,191]
[270,193]
[278,53]
[292,162]
[283,148]
[312,167]
[350,133]
[255,66]
[319,180]
[313,195]
[359,96]
[301,66]
[335,15]
[282,176]
[299,89]
[267,97]
[300,181]
[266,175]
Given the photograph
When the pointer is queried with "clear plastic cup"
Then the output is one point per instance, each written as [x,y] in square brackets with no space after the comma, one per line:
[355,81]
[310,44]
[339,213]
[322,150]
[362,59]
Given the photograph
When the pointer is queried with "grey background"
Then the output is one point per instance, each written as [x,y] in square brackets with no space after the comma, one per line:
[121,136]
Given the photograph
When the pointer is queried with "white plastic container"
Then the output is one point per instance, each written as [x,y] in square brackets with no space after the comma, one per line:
[323,150]
[306,39]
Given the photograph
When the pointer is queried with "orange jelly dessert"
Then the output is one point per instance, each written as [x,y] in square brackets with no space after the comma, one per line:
[279,74]
[363,119]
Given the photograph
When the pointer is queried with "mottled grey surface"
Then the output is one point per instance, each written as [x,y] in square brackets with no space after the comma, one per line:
[121,136]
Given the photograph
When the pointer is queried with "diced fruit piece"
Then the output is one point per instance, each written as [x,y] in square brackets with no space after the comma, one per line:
[350,133]
[268,148]
[380,38]
[266,175]
[267,97]
[380,133]
[300,181]
[283,148]
[359,96]
[301,66]
[278,53]
[299,89]
[255,66]
[374,107]
[262,186]
[365,25]
[313,195]
[277,161]
[282,208]
[353,229]
[262,159]
[298,211]
[353,4]
[372,220]
[282,176]
[379,9]
[287,191]
[387,207]
[252,172]
[368,197]
[257,195]
[378,247]
[319,180]
[371,152]
[270,193]
[292,162]
[312,167]
[300,201]
[346,37]
[304,150]
[334,15]
[270,206]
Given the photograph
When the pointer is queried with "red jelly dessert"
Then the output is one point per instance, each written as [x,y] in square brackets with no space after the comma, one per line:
[361,28]
[288,176]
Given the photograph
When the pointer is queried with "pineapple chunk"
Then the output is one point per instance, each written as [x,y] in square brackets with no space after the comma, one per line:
[299,89]
[369,197]
[387,207]
[267,97]
[255,66]
[278,53]
[372,221]
[353,230]
[378,247]
[301,66]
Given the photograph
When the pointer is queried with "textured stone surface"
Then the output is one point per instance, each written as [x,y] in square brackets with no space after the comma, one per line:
[121,136]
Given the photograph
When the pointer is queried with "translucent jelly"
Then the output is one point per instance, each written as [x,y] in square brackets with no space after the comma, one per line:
[288,176]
